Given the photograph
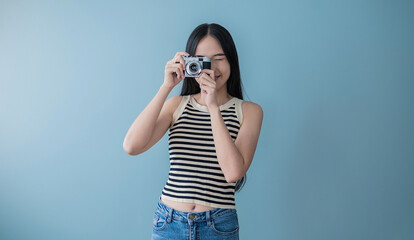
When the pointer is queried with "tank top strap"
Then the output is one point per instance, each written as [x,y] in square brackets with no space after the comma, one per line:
[238,108]
[179,110]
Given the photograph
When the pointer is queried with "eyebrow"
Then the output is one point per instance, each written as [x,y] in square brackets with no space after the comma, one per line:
[216,55]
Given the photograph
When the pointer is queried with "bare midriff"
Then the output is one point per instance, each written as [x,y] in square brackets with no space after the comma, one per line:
[186,207]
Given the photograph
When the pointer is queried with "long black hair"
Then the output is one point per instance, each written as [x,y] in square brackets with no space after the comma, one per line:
[234,84]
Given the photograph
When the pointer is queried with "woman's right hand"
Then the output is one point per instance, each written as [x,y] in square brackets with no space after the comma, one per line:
[174,70]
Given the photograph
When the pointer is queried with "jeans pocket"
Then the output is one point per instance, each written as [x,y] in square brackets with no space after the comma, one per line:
[159,221]
[226,225]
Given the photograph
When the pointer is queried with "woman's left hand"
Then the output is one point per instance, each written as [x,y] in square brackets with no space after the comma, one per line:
[208,87]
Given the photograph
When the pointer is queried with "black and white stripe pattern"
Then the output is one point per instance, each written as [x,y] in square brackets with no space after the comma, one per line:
[195,175]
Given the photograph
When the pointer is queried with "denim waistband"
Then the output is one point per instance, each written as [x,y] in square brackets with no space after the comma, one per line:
[194,216]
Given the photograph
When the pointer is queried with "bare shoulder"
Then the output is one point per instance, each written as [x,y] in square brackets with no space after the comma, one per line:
[172,103]
[175,99]
[251,108]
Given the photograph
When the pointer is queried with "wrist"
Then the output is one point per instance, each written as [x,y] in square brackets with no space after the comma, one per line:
[213,108]
[165,87]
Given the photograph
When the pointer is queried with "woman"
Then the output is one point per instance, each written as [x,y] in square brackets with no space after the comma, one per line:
[213,137]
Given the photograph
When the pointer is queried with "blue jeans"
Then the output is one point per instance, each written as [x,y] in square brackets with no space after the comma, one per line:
[217,223]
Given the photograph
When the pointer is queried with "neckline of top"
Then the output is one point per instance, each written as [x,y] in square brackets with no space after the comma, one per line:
[205,108]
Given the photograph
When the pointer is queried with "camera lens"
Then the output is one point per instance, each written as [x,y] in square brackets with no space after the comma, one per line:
[193,68]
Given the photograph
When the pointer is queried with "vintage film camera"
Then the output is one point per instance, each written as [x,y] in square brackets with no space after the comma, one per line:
[194,65]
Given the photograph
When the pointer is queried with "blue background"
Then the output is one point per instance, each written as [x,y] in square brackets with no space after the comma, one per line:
[334,78]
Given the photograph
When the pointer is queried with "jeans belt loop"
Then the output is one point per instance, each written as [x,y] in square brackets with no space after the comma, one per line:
[169,217]
[208,218]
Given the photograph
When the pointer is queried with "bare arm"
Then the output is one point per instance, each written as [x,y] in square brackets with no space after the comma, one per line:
[152,117]
[152,123]
[235,157]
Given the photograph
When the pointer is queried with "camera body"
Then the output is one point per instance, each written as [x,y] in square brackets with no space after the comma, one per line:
[194,65]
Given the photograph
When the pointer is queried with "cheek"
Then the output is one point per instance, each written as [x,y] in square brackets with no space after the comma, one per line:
[224,68]
[227,67]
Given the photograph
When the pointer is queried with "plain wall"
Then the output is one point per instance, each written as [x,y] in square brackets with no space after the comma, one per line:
[334,79]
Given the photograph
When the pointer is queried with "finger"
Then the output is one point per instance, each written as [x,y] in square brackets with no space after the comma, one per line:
[208,82]
[209,77]
[171,61]
[208,71]
[177,69]
[202,78]
[208,90]
[171,70]
[182,53]
[180,60]
[197,79]
[180,71]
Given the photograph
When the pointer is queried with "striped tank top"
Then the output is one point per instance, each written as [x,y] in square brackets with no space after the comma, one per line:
[195,175]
